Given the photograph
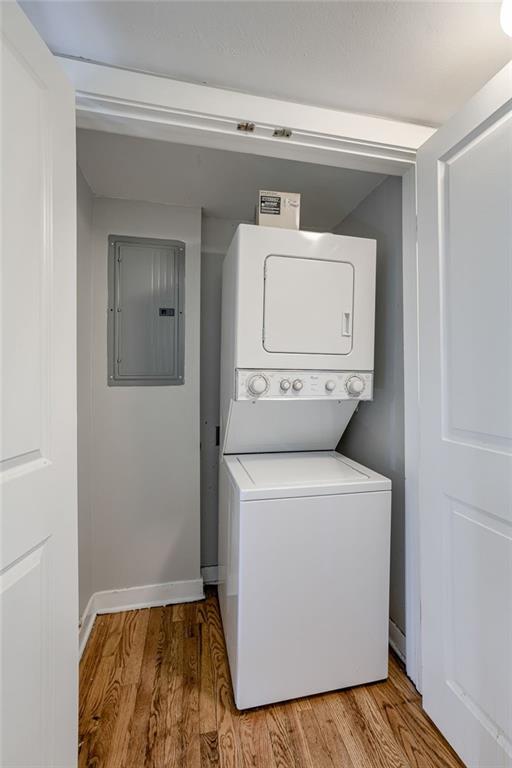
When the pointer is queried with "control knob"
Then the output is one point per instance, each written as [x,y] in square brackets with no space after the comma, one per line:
[330,385]
[257,385]
[297,385]
[285,385]
[355,385]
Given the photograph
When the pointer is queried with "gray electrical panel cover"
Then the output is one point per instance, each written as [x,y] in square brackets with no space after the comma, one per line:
[146,322]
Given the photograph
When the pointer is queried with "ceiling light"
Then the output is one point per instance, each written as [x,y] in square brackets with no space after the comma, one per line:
[506,17]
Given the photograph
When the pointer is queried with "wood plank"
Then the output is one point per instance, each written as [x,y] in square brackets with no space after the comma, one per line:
[115,632]
[172,691]
[224,703]
[255,745]
[178,611]
[151,661]
[91,658]
[303,703]
[100,739]
[91,723]
[207,711]
[209,750]
[189,731]
[131,647]
[165,709]
[403,736]
[119,743]
[374,730]
[287,741]
[318,749]
[332,736]
[347,726]
[360,738]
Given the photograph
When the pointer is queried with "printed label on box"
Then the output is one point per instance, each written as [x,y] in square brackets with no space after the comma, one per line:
[270,204]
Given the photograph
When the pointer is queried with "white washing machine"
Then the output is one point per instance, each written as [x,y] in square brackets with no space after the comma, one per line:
[304,573]
[303,532]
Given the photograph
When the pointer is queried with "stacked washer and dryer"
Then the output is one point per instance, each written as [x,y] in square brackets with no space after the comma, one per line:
[303,531]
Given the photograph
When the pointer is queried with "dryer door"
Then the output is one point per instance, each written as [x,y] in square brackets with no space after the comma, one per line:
[308,306]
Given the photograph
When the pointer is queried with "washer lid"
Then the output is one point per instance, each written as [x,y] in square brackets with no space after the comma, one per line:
[283,475]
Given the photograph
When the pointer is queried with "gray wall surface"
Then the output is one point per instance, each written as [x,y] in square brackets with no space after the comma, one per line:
[215,240]
[139,456]
[375,436]
[84,385]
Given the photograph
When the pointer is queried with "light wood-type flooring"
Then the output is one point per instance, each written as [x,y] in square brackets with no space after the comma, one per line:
[155,692]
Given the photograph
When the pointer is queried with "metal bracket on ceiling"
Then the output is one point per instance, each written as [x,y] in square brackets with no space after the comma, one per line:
[246,127]
[282,133]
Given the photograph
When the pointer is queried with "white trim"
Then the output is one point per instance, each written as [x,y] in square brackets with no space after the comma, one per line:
[86,625]
[139,104]
[134,598]
[397,640]
[411,426]
[210,574]
[148,596]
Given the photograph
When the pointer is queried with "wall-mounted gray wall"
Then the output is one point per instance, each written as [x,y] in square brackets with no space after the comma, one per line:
[375,435]
[215,240]
[139,493]
[84,385]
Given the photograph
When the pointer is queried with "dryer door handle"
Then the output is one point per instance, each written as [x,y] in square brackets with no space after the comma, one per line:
[346,329]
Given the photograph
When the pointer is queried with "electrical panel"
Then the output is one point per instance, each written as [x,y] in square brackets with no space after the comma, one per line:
[146,319]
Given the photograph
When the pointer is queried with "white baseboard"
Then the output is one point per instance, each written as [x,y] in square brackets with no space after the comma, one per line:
[210,574]
[397,640]
[132,598]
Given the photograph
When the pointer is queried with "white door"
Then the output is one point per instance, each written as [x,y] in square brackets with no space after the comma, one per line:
[38,560]
[465,299]
[308,306]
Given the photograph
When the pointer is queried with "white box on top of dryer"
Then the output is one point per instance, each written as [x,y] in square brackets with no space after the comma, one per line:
[278,209]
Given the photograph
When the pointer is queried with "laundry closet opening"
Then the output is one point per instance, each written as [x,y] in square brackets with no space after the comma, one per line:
[148,455]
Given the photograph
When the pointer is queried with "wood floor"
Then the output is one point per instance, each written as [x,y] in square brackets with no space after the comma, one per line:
[155,692]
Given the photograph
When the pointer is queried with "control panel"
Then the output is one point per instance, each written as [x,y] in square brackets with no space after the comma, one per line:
[303,385]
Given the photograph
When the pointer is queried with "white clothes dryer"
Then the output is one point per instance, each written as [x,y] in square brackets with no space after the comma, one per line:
[298,317]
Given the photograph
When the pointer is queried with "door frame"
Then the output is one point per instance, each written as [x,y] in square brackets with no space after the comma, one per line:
[149,106]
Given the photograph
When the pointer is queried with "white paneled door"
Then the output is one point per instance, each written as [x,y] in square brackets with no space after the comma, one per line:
[38,518]
[465,278]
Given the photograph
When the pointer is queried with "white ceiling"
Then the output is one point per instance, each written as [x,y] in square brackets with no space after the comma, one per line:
[224,184]
[411,60]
